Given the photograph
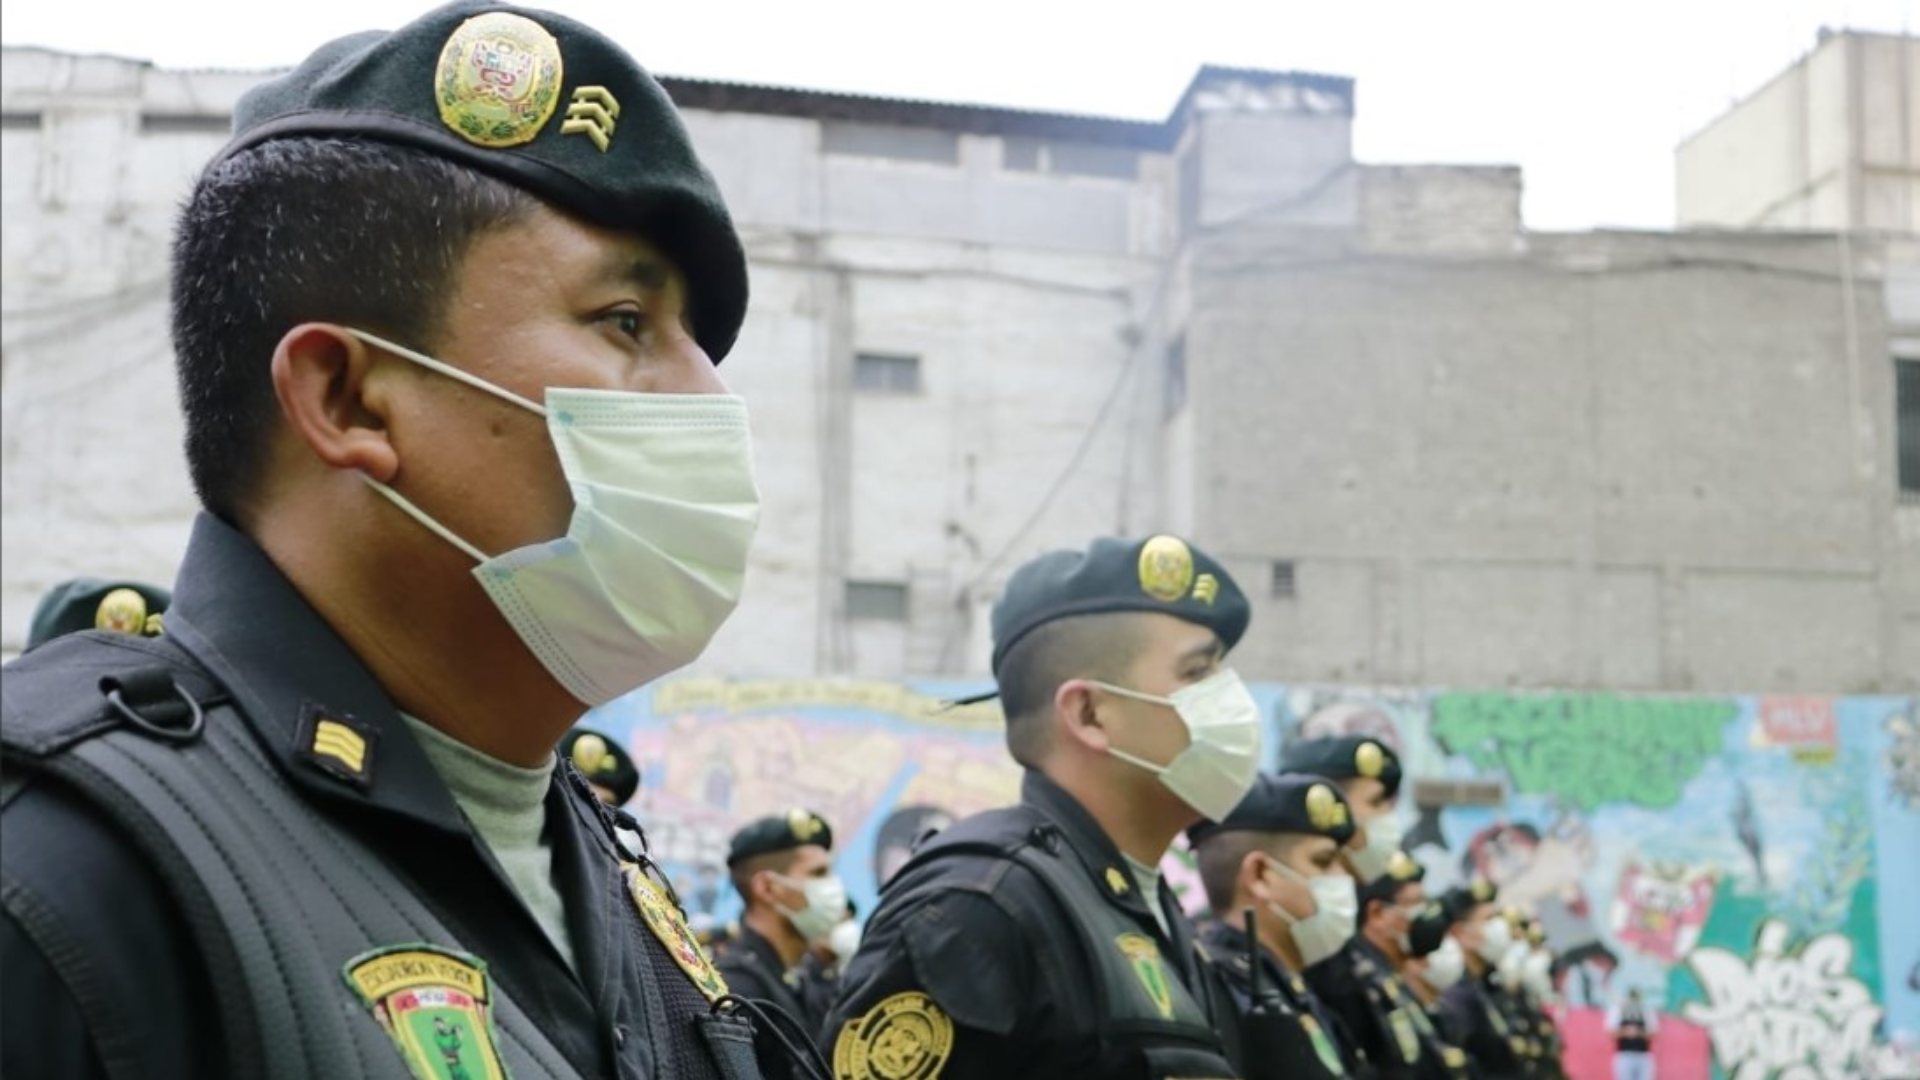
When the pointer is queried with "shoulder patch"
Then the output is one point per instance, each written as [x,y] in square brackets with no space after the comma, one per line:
[904,1037]
[436,1006]
[1143,956]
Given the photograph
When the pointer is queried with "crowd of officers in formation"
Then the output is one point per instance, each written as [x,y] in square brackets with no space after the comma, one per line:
[1030,942]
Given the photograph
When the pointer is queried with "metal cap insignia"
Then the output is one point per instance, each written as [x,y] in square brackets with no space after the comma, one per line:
[590,753]
[1369,760]
[1116,881]
[1166,568]
[804,825]
[1402,866]
[498,80]
[1324,809]
[124,610]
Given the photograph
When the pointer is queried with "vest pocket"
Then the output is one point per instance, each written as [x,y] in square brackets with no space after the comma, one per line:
[730,1042]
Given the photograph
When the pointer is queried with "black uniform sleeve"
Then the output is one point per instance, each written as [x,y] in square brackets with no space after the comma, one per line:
[96,965]
[949,973]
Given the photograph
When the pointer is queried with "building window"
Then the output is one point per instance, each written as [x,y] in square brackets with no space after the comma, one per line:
[1176,378]
[886,373]
[1282,584]
[1906,377]
[894,141]
[1025,153]
[885,600]
[185,124]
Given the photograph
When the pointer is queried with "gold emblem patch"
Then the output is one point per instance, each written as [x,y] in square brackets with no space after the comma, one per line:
[435,1005]
[1166,568]
[1324,808]
[1404,1036]
[122,610]
[498,79]
[667,924]
[803,825]
[1144,957]
[590,753]
[904,1037]
[1369,760]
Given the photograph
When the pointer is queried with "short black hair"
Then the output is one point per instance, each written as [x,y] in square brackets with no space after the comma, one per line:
[743,872]
[1218,858]
[355,232]
[1099,646]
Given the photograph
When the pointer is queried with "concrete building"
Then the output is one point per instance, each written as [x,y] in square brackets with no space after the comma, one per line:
[1832,142]
[1435,447]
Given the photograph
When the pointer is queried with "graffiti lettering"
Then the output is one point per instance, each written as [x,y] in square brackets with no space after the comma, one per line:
[1586,750]
[1796,1017]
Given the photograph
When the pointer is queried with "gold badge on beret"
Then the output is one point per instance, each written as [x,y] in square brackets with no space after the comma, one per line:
[122,610]
[498,80]
[1369,760]
[1324,808]
[803,825]
[590,753]
[1482,890]
[1402,866]
[1166,568]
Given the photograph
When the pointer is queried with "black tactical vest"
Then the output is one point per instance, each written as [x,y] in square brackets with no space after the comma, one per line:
[287,908]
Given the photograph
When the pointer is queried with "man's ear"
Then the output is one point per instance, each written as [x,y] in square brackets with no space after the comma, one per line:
[1075,716]
[324,380]
[1253,867]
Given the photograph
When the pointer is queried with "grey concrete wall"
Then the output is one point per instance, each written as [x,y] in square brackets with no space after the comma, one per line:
[1633,461]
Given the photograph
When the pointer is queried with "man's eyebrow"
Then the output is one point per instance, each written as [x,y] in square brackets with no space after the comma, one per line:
[646,271]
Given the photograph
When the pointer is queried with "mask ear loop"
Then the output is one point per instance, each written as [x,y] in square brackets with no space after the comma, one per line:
[420,516]
[448,370]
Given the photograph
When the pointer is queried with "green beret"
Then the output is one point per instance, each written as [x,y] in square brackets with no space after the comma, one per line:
[1429,928]
[1345,757]
[1161,573]
[1402,870]
[1286,803]
[779,832]
[1464,898]
[539,101]
[601,760]
[130,607]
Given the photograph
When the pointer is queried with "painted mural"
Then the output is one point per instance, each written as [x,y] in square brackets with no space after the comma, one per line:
[1751,864]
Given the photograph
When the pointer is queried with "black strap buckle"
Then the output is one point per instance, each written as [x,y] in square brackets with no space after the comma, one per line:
[152,702]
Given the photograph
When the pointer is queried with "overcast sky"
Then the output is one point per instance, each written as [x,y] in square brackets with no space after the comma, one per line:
[1590,98]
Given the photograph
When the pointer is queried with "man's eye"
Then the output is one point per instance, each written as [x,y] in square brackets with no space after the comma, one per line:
[629,323]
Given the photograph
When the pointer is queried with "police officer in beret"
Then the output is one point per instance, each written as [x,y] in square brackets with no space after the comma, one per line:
[125,607]
[1039,940]
[1476,1008]
[1434,961]
[1277,857]
[609,770]
[782,866]
[446,312]
[1368,773]
[1364,988]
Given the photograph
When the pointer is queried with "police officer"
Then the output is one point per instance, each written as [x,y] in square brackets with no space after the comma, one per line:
[126,607]
[1434,961]
[782,866]
[1277,856]
[1534,1001]
[1039,940]
[1364,987]
[318,828]
[1475,1006]
[609,771]
[1368,773]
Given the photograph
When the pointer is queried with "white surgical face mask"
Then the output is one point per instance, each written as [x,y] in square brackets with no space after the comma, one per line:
[844,941]
[1383,840]
[1495,938]
[653,560]
[1217,768]
[1336,911]
[1536,974]
[1446,964]
[1509,970]
[826,906]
